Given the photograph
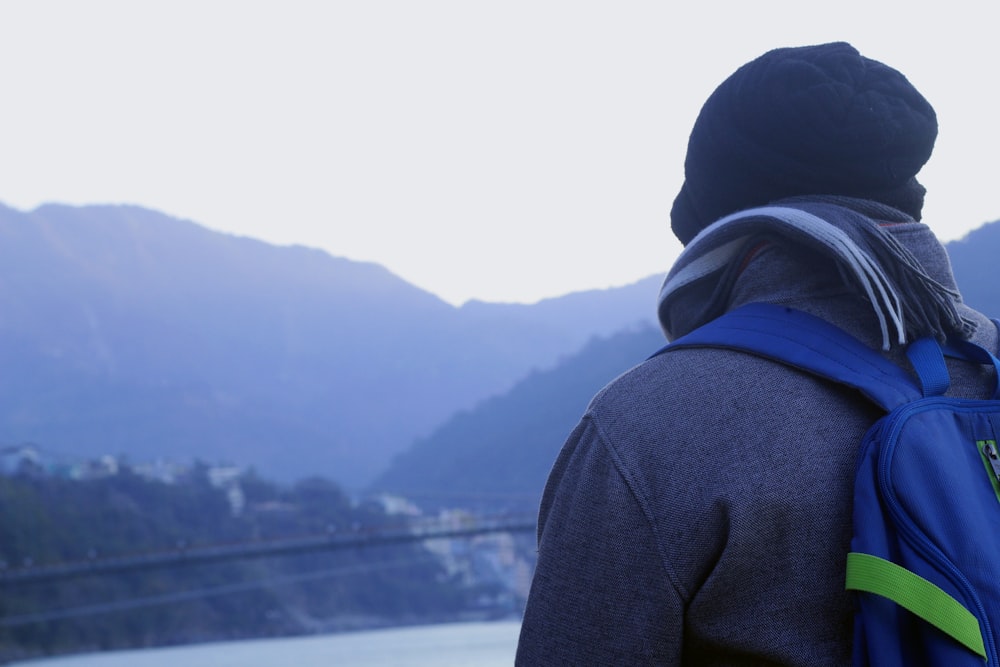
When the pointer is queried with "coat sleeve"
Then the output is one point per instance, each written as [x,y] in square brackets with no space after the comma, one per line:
[601,594]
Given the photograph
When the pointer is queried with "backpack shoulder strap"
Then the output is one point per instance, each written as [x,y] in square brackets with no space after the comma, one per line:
[808,343]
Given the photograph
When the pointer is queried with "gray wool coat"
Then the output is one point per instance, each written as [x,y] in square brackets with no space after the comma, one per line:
[700,512]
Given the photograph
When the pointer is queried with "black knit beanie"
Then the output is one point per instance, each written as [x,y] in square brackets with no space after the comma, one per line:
[812,120]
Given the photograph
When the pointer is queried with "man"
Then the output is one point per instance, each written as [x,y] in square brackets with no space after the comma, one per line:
[700,513]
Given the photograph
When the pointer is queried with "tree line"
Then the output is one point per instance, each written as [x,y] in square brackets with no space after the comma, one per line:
[48,520]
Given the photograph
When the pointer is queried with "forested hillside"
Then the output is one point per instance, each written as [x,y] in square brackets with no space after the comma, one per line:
[47,520]
[501,451]
[498,455]
[974,260]
[124,331]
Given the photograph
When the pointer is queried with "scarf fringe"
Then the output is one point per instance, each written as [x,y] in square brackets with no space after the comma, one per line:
[905,300]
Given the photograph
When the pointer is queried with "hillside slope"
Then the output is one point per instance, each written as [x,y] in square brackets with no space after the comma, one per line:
[126,331]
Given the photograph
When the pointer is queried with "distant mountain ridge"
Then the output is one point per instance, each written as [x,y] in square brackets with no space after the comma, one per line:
[974,260]
[501,451]
[126,331]
[123,330]
[499,454]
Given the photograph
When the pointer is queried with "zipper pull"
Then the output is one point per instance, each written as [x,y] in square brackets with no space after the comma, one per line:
[992,456]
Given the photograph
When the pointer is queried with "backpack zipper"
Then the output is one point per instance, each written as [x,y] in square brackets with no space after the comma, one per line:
[906,525]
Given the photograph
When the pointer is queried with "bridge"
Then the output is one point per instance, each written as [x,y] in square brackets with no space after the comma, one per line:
[183,555]
[329,541]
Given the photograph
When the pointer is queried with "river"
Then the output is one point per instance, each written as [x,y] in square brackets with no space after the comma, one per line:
[490,644]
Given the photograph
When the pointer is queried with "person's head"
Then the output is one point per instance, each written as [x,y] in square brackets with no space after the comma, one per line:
[811,120]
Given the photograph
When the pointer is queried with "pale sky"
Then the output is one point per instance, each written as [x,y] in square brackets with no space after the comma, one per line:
[503,150]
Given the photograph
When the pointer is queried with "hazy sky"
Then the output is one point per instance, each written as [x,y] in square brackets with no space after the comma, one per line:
[502,150]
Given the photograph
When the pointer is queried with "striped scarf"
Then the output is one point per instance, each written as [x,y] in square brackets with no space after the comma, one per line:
[907,303]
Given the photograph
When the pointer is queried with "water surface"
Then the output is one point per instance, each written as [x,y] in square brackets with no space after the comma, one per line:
[449,645]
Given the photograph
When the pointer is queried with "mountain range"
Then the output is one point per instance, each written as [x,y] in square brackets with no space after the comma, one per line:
[499,454]
[974,261]
[126,331]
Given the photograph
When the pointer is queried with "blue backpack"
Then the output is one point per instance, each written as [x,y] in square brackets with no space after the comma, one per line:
[925,552]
